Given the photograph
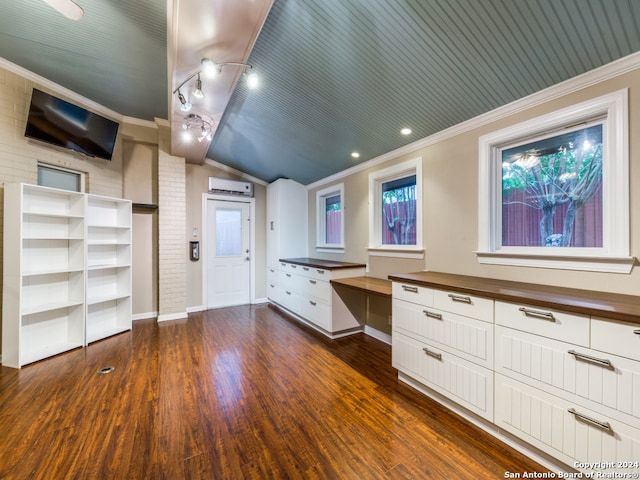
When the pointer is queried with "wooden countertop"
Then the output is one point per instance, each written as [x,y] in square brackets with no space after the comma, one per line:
[600,304]
[318,263]
[378,286]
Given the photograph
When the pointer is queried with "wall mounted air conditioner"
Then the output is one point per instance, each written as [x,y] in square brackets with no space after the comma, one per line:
[224,186]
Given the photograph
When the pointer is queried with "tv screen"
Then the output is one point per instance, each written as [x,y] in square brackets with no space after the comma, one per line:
[57,122]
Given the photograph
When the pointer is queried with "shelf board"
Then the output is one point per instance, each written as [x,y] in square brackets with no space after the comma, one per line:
[53,272]
[107,298]
[48,307]
[145,206]
[107,266]
[49,350]
[105,332]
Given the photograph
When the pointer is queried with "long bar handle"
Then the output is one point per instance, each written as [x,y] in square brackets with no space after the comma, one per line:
[431,353]
[600,361]
[597,423]
[459,298]
[313,282]
[437,316]
[407,288]
[529,312]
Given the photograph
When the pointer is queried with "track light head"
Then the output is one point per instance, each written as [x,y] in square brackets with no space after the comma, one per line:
[198,93]
[184,105]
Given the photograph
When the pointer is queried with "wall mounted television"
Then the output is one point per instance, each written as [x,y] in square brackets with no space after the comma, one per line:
[58,122]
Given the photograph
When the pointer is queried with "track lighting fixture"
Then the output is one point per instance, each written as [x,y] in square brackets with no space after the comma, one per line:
[195,125]
[210,68]
[184,105]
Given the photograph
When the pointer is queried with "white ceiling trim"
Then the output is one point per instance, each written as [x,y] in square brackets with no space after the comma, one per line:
[606,72]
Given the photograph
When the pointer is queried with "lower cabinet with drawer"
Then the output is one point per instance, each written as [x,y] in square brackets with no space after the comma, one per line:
[564,381]
[302,286]
[448,352]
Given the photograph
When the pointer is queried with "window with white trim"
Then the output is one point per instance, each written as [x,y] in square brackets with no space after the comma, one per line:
[395,210]
[330,218]
[554,191]
[62,178]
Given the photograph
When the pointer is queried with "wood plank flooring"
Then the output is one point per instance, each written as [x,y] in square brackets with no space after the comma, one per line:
[234,393]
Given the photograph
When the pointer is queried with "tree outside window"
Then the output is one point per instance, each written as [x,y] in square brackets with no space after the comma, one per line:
[552,191]
[399,211]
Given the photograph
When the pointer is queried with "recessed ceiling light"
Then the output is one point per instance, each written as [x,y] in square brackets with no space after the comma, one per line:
[406,131]
[355,154]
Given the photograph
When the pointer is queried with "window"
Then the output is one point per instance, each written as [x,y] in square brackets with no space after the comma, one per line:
[554,190]
[330,219]
[396,210]
[57,177]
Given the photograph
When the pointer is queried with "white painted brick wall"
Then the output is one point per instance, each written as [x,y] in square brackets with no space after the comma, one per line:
[172,243]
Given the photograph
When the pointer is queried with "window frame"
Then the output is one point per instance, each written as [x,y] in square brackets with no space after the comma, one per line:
[321,220]
[614,254]
[376,180]
[79,175]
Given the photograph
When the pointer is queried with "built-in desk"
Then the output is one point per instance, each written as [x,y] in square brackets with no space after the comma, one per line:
[377,286]
[369,300]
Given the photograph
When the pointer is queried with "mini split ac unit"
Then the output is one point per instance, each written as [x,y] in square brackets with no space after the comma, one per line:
[225,186]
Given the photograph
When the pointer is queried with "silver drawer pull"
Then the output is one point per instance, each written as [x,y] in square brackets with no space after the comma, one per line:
[288,274]
[312,282]
[283,264]
[600,361]
[459,298]
[306,269]
[293,266]
[407,288]
[272,285]
[271,270]
[537,313]
[597,423]
[321,272]
[637,332]
[431,353]
[287,292]
[312,303]
[437,316]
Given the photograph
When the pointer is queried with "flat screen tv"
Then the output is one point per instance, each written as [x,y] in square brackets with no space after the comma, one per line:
[57,122]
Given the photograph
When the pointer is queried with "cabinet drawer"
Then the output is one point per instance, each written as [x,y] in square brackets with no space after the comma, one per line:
[317,312]
[311,272]
[288,280]
[317,289]
[600,381]
[464,382]
[463,336]
[462,304]
[412,293]
[619,338]
[564,430]
[568,327]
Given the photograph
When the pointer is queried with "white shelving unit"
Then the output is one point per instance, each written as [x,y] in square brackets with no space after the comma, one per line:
[44,273]
[108,291]
[67,271]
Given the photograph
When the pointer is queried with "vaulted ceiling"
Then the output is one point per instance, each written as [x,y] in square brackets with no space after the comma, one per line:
[336,76]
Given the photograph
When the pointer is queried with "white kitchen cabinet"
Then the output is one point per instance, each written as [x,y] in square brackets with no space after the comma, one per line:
[565,377]
[303,287]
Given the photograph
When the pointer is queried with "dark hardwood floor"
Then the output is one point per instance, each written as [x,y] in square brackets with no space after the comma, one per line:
[234,393]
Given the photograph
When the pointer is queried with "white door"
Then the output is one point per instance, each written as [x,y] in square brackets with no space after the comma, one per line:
[228,259]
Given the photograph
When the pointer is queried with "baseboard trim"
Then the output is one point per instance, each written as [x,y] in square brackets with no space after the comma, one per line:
[144,316]
[372,332]
[172,316]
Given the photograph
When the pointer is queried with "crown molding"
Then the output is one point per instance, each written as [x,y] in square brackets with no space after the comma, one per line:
[606,72]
